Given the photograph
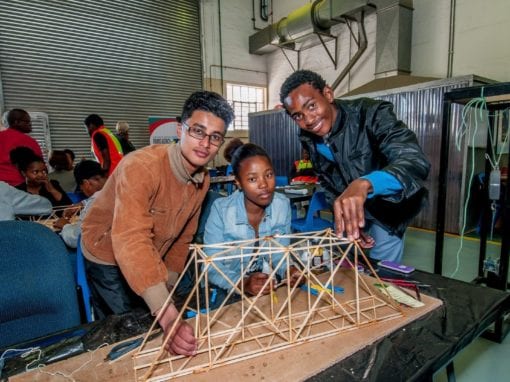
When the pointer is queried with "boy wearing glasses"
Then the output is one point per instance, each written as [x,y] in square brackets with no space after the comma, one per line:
[369,162]
[136,235]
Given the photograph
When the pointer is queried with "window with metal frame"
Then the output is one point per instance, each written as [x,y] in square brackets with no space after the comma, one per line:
[245,99]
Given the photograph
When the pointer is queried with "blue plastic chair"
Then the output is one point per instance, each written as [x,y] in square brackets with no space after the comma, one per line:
[37,287]
[230,186]
[281,181]
[312,221]
[81,281]
[76,197]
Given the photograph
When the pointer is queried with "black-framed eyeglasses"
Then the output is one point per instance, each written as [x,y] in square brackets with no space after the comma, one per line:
[215,139]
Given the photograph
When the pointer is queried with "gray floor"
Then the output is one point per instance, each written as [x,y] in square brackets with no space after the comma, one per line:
[483,360]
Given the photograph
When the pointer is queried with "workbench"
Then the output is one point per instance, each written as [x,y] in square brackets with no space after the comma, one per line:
[417,350]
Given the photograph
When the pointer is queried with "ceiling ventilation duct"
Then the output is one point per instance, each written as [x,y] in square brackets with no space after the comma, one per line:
[298,30]
[302,28]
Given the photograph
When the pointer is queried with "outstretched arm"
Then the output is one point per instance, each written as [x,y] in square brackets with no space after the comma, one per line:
[349,210]
[24,203]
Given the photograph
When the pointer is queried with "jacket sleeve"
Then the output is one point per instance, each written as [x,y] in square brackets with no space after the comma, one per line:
[70,233]
[65,200]
[283,219]
[215,233]
[397,144]
[24,203]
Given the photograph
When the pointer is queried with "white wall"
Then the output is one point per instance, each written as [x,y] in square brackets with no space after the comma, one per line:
[481,46]
[481,38]
[429,55]
[236,27]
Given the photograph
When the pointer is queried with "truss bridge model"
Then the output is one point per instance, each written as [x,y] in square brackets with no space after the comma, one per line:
[333,296]
[72,211]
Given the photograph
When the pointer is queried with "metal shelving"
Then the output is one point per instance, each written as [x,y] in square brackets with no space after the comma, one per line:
[497,97]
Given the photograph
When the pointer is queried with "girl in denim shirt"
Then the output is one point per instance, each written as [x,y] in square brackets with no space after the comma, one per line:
[253,211]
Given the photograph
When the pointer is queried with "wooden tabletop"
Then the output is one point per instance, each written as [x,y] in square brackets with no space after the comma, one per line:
[222,179]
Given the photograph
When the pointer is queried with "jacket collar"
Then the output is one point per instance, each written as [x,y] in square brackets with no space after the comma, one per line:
[241,215]
[339,123]
[177,165]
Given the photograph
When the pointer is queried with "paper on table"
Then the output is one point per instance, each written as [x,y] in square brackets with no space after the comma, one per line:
[400,296]
[300,191]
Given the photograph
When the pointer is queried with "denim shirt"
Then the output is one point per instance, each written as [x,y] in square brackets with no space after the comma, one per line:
[228,221]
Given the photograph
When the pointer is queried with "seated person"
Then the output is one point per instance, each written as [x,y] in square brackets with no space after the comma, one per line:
[253,211]
[16,202]
[35,172]
[62,166]
[227,153]
[303,171]
[91,179]
[70,154]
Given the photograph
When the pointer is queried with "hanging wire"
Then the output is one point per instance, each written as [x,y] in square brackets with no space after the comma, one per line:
[479,105]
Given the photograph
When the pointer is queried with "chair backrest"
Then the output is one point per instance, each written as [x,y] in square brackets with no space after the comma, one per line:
[37,288]
[281,180]
[81,281]
[76,197]
[317,203]
[230,186]
[210,197]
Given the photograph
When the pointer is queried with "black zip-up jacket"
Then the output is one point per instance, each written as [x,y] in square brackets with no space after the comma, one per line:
[367,136]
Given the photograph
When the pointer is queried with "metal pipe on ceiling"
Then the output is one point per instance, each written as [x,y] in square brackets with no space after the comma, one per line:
[393,37]
[362,46]
[451,38]
[221,46]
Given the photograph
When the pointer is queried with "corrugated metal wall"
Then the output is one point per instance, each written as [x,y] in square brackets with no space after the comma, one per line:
[420,107]
[124,60]
[277,133]
[41,132]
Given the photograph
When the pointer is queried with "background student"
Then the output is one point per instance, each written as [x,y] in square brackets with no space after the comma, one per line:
[105,145]
[91,178]
[19,125]
[35,173]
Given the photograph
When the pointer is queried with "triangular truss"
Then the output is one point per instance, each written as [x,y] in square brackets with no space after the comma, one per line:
[256,325]
[72,211]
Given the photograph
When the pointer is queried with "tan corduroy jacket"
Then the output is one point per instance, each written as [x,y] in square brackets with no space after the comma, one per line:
[144,219]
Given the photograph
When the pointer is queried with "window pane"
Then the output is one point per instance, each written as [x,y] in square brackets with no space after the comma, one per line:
[244,93]
[252,95]
[237,93]
[244,100]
